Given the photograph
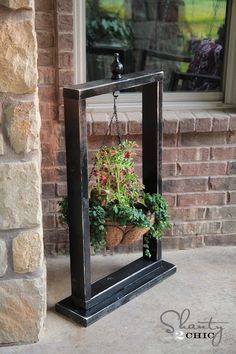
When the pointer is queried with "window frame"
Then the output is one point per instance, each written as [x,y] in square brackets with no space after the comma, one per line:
[172,100]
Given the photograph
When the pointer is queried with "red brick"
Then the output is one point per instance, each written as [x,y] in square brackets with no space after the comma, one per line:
[122,128]
[232,198]
[44,21]
[45,39]
[201,114]
[61,115]
[49,221]
[61,174]
[89,124]
[65,5]
[168,169]
[48,111]
[61,189]
[48,154]
[47,93]
[197,228]
[185,185]
[170,198]
[220,124]
[232,168]
[187,214]
[100,123]
[169,155]
[48,126]
[45,206]
[186,154]
[222,212]
[65,60]
[65,23]
[170,126]
[48,190]
[170,242]
[139,170]
[47,75]
[66,77]
[199,139]
[231,138]
[134,127]
[222,183]
[170,140]
[202,169]
[220,240]
[191,242]
[60,96]
[184,115]
[232,122]
[229,227]
[44,5]
[201,199]
[187,125]
[223,153]
[54,236]
[65,42]
[61,158]
[203,125]
[53,206]
[48,174]
[46,57]
[193,154]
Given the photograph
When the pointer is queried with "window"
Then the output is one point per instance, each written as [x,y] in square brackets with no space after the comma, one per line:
[167,35]
[185,38]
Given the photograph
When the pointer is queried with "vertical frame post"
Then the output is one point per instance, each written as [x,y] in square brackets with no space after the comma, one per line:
[78,200]
[152,147]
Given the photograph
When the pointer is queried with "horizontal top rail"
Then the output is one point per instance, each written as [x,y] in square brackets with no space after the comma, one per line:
[100,87]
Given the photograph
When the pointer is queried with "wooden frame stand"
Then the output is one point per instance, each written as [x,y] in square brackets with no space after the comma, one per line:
[89,302]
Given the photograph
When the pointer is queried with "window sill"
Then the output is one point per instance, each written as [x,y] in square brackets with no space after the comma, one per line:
[181,121]
[171,101]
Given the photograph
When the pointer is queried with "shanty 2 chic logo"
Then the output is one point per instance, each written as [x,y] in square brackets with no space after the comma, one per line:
[180,326]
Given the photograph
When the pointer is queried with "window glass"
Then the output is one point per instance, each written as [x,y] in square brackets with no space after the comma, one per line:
[185,38]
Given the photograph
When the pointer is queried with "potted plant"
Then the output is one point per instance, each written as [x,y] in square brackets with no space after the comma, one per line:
[120,211]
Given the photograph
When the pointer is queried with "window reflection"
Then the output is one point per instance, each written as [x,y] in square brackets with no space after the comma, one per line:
[185,38]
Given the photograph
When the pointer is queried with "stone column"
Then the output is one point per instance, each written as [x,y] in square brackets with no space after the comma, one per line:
[22,268]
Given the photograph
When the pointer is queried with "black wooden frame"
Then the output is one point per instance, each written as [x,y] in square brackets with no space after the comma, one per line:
[89,302]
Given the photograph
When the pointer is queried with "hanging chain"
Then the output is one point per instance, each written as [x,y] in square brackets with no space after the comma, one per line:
[119,137]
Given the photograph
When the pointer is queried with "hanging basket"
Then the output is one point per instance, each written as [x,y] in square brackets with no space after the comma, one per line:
[113,233]
[134,233]
[124,235]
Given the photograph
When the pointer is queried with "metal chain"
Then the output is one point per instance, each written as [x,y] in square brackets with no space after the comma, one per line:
[114,116]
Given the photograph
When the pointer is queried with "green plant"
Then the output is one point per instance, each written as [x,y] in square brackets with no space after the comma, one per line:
[106,25]
[118,195]
[157,205]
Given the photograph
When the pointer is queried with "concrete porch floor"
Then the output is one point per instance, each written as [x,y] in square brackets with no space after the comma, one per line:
[205,283]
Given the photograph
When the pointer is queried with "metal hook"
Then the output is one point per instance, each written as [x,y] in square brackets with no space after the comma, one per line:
[116,94]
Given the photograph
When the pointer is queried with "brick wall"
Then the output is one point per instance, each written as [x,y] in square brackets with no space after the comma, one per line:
[198,157]
[54,27]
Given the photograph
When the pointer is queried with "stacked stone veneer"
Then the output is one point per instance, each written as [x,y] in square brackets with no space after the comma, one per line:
[22,273]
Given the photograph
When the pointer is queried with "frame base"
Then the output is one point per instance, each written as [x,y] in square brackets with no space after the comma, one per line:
[160,270]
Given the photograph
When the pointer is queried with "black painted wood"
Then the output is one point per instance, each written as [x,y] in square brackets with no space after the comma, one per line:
[116,281]
[95,88]
[78,202]
[152,146]
[89,302]
[85,317]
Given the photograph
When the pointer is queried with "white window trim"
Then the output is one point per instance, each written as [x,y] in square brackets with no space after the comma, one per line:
[172,100]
